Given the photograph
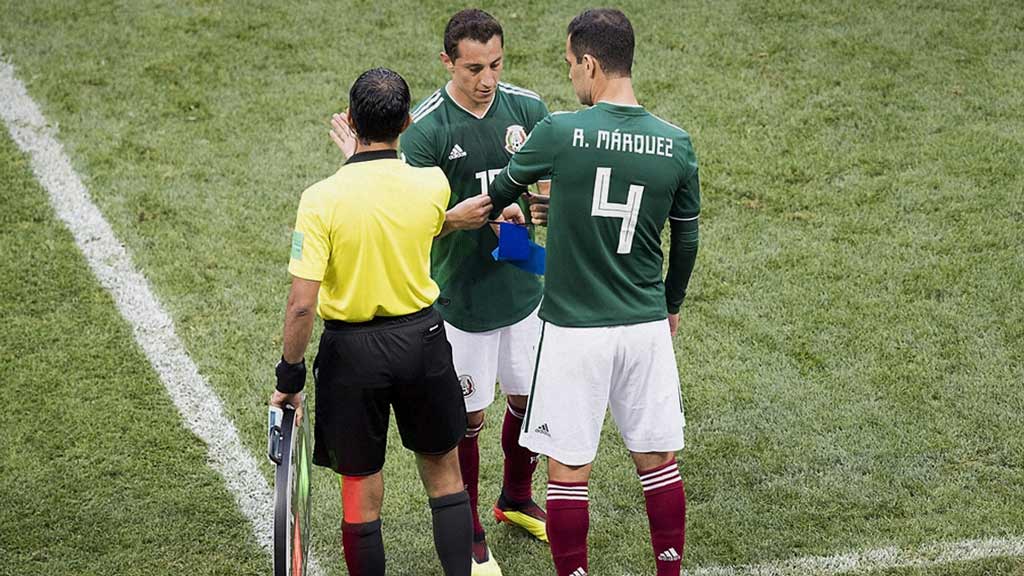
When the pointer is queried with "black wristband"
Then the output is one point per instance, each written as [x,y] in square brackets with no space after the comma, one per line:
[291,378]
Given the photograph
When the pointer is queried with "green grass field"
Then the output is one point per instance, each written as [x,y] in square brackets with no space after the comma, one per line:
[852,351]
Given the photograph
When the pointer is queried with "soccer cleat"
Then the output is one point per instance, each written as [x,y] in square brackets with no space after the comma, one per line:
[483,563]
[528,516]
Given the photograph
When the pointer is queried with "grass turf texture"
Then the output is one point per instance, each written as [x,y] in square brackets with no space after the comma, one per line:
[853,342]
[97,472]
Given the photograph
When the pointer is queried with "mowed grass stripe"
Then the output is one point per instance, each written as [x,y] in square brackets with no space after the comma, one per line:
[151,326]
[97,473]
[853,339]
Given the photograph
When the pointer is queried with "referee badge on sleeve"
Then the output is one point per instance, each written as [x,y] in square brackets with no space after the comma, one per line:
[296,245]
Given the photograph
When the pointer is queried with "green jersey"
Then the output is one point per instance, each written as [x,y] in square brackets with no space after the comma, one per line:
[477,292]
[617,174]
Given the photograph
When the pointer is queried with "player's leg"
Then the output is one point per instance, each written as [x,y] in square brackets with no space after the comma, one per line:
[568,523]
[645,402]
[563,421]
[351,426]
[431,417]
[517,358]
[475,355]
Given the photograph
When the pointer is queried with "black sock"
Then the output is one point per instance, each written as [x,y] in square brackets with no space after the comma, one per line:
[364,548]
[453,532]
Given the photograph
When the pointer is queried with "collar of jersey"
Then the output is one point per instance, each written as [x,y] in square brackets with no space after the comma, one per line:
[452,99]
[627,108]
[373,155]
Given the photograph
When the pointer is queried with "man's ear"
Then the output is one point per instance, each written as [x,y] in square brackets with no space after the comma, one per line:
[449,64]
[408,122]
[590,65]
[350,120]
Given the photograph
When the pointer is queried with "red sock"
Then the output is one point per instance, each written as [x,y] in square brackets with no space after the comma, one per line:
[568,524]
[519,462]
[666,512]
[469,464]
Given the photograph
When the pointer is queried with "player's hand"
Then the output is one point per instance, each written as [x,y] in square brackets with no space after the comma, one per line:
[673,324]
[512,213]
[538,208]
[469,214]
[342,134]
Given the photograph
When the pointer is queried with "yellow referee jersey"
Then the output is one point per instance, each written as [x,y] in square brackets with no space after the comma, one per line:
[365,234]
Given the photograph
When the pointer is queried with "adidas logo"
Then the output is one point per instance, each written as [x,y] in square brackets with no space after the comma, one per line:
[543,429]
[669,555]
[579,572]
[457,152]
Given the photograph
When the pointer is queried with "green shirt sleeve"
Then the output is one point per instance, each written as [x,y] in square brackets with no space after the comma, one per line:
[683,218]
[681,258]
[686,202]
[531,163]
[417,147]
[539,111]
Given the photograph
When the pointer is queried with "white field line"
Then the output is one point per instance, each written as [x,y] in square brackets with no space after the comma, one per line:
[151,325]
[879,559]
[202,411]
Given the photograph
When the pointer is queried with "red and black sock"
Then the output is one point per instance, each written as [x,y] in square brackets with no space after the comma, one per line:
[469,464]
[568,524]
[520,462]
[666,512]
[363,548]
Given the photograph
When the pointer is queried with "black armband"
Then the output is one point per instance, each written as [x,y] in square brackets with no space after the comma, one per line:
[291,378]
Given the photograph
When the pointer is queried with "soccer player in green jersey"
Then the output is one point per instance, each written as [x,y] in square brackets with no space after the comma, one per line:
[619,173]
[470,128]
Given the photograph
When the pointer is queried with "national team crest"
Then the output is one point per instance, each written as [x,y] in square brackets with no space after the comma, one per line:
[467,385]
[515,136]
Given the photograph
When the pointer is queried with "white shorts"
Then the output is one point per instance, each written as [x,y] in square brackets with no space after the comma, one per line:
[506,355]
[581,371]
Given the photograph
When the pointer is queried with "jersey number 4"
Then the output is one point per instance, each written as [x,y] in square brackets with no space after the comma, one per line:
[629,212]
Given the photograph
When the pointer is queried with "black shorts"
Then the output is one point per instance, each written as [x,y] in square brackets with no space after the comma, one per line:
[362,370]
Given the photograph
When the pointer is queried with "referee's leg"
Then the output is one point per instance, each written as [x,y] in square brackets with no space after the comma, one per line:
[431,417]
[449,507]
[361,498]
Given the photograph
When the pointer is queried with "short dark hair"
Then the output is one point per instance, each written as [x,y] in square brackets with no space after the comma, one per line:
[379,105]
[605,34]
[471,23]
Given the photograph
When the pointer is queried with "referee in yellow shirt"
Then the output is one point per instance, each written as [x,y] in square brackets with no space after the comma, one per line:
[361,257]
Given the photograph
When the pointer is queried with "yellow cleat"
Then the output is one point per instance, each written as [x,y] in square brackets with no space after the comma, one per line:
[483,562]
[529,517]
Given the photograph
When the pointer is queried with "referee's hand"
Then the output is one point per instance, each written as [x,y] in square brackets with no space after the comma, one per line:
[469,214]
[343,135]
[279,399]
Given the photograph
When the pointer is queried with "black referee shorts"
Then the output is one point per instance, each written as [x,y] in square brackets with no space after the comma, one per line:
[363,370]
